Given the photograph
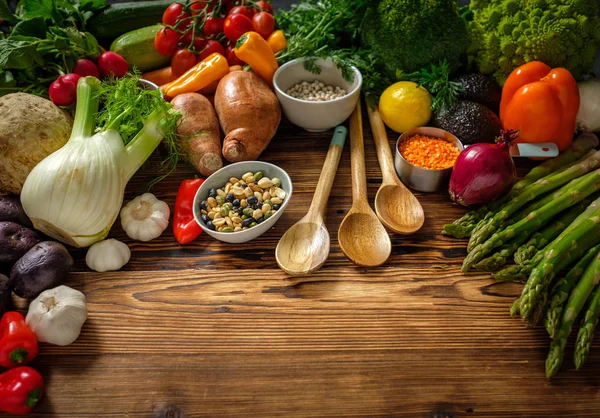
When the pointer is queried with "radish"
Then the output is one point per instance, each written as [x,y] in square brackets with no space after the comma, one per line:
[110,62]
[85,67]
[63,91]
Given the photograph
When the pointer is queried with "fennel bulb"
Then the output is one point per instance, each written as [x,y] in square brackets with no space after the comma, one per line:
[75,194]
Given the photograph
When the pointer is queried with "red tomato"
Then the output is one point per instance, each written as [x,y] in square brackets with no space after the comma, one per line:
[166,41]
[232,59]
[236,25]
[240,10]
[211,47]
[199,6]
[213,26]
[186,40]
[112,63]
[182,61]
[172,14]
[85,67]
[263,6]
[263,24]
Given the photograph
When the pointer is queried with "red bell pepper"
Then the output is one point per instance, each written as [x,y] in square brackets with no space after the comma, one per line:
[541,103]
[185,227]
[18,343]
[21,389]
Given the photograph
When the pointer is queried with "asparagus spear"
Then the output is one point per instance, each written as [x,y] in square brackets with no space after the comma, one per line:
[561,291]
[522,271]
[514,308]
[536,218]
[557,258]
[462,227]
[541,239]
[540,187]
[588,325]
[575,304]
[498,259]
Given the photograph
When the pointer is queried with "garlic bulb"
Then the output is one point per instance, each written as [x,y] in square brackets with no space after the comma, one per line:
[57,315]
[145,217]
[107,255]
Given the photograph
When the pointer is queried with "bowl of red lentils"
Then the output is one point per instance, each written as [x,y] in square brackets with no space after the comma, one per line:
[425,158]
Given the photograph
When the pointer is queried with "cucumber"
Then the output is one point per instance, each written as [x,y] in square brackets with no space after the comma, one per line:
[121,18]
[137,47]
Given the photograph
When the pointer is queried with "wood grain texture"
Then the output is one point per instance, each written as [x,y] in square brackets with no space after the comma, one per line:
[217,330]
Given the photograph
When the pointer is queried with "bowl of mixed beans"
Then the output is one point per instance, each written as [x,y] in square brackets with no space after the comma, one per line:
[242,201]
[425,158]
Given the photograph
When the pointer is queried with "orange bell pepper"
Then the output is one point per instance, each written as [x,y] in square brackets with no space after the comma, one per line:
[256,52]
[277,41]
[201,75]
[542,103]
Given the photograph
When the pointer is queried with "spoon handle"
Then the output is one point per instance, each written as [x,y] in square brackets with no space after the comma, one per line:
[327,177]
[357,156]
[384,154]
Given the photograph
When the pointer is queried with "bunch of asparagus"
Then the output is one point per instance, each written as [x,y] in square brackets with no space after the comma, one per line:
[548,222]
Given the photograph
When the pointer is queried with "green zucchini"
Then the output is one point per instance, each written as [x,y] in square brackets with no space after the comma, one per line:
[121,18]
[137,47]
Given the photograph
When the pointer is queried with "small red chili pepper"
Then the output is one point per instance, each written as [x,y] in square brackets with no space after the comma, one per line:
[185,227]
[18,343]
[21,389]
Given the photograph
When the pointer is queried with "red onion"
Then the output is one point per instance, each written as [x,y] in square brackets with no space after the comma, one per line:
[483,172]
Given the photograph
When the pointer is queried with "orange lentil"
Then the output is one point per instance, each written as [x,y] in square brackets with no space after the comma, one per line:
[428,152]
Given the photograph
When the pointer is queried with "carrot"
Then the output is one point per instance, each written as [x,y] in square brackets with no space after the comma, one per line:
[198,132]
[428,152]
[160,77]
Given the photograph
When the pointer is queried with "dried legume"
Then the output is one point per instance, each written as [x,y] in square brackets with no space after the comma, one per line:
[428,152]
[315,91]
[242,204]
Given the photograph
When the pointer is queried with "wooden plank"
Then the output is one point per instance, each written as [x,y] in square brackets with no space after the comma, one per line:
[214,329]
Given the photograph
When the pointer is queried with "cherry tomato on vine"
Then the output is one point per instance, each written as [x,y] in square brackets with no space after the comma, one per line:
[173,13]
[166,41]
[198,7]
[186,40]
[182,61]
[240,10]
[214,25]
[263,6]
[263,24]
[211,47]
[236,25]
[232,59]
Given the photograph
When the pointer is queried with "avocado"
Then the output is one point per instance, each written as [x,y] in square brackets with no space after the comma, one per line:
[482,89]
[471,122]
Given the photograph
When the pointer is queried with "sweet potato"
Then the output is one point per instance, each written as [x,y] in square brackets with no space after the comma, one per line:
[249,114]
[198,131]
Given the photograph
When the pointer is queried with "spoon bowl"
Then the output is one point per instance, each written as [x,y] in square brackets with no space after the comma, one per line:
[398,210]
[364,240]
[303,248]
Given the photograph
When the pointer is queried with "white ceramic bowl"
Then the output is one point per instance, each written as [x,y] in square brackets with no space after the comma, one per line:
[221,177]
[316,116]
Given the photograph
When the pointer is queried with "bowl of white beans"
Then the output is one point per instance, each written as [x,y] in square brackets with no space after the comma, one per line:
[316,102]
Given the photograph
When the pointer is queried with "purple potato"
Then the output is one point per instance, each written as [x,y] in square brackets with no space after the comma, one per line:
[15,241]
[5,292]
[11,210]
[44,267]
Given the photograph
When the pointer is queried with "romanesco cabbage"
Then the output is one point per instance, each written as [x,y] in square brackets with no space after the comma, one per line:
[508,33]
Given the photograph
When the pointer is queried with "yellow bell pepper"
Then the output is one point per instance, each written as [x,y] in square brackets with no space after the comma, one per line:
[256,52]
[277,41]
[201,75]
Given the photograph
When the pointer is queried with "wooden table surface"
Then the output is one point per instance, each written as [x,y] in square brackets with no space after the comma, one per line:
[218,330]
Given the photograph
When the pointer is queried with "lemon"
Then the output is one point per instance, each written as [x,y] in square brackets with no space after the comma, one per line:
[405,106]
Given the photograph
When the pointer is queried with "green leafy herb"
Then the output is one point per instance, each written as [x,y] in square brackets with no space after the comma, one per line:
[436,80]
[6,13]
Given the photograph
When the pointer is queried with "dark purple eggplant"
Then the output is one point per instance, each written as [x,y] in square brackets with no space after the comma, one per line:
[5,292]
[11,210]
[15,241]
[44,267]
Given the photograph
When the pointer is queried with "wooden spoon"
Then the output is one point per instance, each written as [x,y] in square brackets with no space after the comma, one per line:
[362,237]
[304,248]
[397,208]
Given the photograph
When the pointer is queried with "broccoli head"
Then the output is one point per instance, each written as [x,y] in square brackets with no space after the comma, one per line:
[508,33]
[413,34]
